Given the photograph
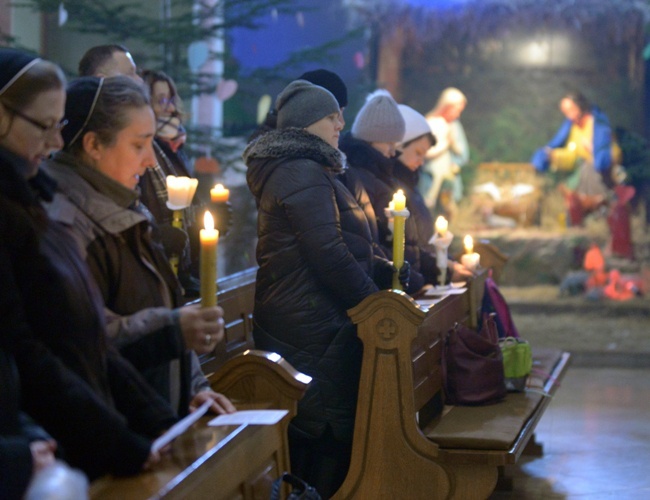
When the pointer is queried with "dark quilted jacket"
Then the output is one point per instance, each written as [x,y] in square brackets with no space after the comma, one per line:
[315,257]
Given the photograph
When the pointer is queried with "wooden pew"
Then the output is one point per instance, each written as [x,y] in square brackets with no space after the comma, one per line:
[230,462]
[236,295]
[407,443]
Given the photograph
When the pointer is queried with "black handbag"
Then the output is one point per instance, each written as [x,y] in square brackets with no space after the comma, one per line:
[300,490]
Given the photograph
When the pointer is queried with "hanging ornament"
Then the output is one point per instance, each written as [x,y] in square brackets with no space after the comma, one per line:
[197,55]
[359,60]
[263,106]
[63,15]
[226,89]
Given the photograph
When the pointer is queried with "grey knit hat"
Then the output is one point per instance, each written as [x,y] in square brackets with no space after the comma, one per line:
[302,103]
[379,120]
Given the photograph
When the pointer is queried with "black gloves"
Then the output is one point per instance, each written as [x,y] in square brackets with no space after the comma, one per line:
[383,271]
[404,275]
[173,240]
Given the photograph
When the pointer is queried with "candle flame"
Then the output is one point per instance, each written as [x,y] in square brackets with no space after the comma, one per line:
[441,225]
[469,244]
[400,192]
[218,187]
[208,221]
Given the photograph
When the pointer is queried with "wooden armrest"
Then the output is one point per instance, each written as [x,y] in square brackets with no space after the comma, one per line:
[261,378]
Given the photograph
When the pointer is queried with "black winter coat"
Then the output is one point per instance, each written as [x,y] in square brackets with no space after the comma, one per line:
[315,260]
[375,173]
[83,393]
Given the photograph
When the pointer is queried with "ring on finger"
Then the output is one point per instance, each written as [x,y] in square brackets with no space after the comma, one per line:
[208,339]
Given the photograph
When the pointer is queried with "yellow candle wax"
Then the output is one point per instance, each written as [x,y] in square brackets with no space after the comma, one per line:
[441,226]
[399,204]
[469,244]
[208,262]
[219,194]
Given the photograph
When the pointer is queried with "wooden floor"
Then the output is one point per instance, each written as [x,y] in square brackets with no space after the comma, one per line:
[596,437]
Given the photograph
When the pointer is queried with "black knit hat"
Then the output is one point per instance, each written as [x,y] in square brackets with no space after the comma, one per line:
[13,64]
[302,103]
[330,81]
[82,95]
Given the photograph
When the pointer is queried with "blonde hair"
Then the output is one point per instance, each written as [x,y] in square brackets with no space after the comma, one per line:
[451,96]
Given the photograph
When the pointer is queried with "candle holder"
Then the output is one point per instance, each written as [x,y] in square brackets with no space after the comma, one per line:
[180,191]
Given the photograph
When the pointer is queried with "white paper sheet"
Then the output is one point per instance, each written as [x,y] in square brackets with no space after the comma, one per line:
[180,427]
[253,417]
[444,290]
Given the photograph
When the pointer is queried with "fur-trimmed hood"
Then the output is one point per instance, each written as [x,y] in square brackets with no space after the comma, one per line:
[267,152]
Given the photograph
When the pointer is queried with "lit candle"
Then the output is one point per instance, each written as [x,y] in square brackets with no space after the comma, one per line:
[469,244]
[219,194]
[209,239]
[399,204]
[399,200]
[470,259]
[441,226]
[180,191]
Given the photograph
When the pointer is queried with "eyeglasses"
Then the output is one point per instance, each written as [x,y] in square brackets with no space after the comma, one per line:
[166,101]
[46,129]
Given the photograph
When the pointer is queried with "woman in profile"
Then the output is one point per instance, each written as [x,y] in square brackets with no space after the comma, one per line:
[107,147]
[101,413]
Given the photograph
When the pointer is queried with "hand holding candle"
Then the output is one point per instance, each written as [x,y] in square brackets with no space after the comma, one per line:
[470,259]
[209,241]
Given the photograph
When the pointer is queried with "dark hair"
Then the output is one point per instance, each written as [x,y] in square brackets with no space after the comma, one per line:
[96,57]
[150,78]
[580,100]
[117,96]
[41,77]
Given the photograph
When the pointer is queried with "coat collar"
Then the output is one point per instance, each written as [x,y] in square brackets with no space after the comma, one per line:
[98,207]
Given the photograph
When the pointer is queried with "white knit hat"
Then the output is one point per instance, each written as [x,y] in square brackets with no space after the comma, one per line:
[379,120]
[416,124]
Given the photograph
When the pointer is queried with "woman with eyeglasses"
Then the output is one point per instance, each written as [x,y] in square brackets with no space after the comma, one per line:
[55,361]
[168,145]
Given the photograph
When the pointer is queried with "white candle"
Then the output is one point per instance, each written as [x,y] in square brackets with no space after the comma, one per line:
[180,191]
[468,242]
[441,226]
[470,260]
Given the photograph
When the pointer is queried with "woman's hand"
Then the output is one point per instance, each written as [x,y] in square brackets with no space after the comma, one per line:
[202,327]
[42,454]
[459,272]
[220,403]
